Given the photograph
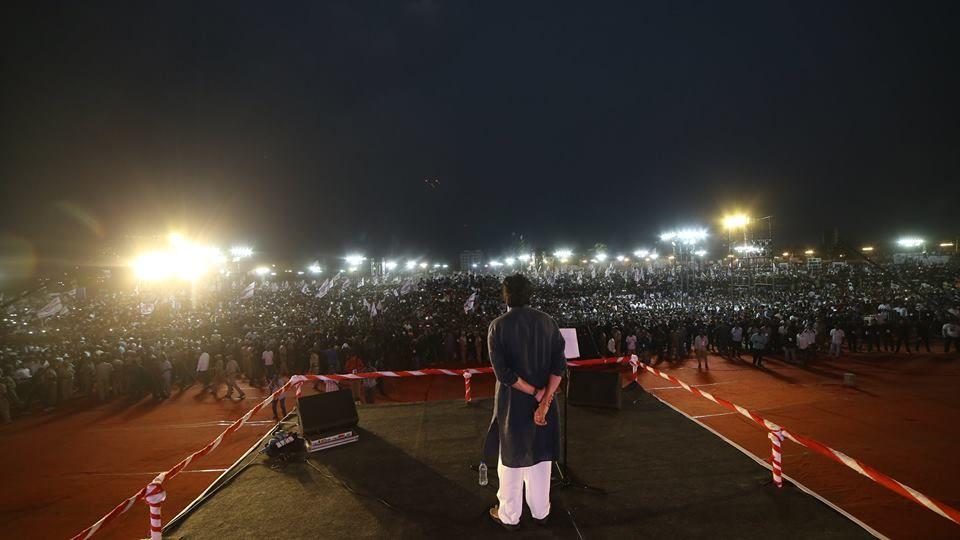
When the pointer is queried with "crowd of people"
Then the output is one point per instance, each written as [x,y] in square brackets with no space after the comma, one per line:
[130,344]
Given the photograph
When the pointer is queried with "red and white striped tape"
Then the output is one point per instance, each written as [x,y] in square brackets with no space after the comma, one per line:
[897,487]
[179,467]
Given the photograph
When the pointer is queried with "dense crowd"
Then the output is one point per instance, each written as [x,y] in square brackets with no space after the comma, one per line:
[151,342]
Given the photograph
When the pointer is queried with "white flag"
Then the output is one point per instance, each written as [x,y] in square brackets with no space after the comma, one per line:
[54,307]
[305,289]
[248,291]
[470,303]
[147,308]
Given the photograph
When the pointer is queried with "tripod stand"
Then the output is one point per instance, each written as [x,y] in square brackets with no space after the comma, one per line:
[565,478]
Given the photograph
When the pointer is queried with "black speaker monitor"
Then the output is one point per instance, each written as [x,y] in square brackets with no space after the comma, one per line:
[595,388]
[321,413]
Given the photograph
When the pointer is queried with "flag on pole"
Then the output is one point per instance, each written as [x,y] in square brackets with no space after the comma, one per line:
[305,289]
[54,307]
[471,303]
[248,291]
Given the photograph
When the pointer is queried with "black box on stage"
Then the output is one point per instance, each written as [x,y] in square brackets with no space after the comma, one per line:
[595,389]
[327,412]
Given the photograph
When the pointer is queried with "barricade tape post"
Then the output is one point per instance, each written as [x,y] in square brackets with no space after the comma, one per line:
[466,386]
[155,497]
[897,487]
[776,457]
[777,434]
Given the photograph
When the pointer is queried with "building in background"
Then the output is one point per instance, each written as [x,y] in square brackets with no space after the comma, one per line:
[471,260]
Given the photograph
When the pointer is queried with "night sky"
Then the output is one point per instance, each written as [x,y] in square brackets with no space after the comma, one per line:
[311,128]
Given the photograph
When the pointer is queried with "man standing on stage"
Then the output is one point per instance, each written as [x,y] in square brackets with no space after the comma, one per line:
[526,351]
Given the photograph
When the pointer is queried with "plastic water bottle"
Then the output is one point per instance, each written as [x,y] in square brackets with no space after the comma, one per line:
[483,473]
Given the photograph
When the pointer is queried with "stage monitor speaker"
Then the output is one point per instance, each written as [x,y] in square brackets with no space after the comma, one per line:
[595,389]
[329,411]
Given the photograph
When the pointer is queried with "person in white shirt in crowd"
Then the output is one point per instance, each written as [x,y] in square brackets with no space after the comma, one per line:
[736,337]
[166,375]
[611,347]
[951,334]
[632,344]
[837,336]
[267,358]
[807,343]
[700,348]
[203,371]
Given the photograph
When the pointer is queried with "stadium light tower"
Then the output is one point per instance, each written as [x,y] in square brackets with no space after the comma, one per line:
[910,242]
[563,255]
[240,252]
[390,266]
[355,259]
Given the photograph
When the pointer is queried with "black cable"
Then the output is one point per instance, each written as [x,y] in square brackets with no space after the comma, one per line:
[331,476]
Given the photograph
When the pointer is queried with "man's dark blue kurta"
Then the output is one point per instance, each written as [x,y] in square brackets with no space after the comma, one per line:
[523,343]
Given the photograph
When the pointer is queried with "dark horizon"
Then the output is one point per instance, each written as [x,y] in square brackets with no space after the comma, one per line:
[423,127]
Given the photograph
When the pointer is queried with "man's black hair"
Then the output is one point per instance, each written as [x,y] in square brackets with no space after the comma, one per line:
[517,290]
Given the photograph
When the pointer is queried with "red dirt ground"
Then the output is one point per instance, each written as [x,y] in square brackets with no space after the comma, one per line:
[71,466]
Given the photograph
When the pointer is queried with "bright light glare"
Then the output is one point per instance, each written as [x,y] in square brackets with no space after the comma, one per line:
[315,269]
[563,254]
[510,260]
[261,271]
[700,253]
[390,265]
[241,252]
[496,264]
[524,258]
[747,248]
[183,261]
[641,253]
[601,256]
[423,265]
[654,255]
[808,252]
[736,221]
[946,244]
[910,242]
[411,265]
[685,236]
[354,259]
[621,258]
[867,248]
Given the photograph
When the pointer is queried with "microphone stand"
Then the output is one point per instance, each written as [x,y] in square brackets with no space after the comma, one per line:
[565,478]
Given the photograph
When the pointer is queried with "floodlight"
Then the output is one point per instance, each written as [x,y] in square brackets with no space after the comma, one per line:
[524,257]
[601,257]
[315,269]
[641,253]
[510,261]
[867,249]
[563,254]
[423,265]
[411,265]
[736,221]
[354,259]
[808,252]
[910,242]
[390,265]
[241,252]
[261,271]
